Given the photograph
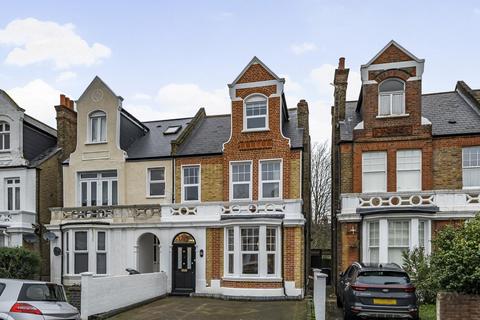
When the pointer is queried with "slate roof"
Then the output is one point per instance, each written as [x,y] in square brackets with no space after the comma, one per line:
[449,113]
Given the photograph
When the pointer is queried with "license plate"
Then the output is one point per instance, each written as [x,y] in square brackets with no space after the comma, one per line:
[385,301]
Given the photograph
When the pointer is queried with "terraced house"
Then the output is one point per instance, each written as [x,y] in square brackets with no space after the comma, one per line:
[219,203]
[405,163]
[29,175]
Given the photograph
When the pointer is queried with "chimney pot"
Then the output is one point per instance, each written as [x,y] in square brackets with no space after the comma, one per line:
[71,106]
[67,102]
[341,63]
[62,99]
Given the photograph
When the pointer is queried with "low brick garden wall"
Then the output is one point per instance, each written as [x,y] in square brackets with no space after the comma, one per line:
[453,306]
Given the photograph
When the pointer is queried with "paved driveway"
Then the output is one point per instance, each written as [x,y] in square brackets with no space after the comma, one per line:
[176,308]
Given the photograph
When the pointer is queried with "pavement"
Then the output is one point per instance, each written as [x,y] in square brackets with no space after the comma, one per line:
[196,308]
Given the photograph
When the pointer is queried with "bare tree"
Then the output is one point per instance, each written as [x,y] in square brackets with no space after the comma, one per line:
[321,195]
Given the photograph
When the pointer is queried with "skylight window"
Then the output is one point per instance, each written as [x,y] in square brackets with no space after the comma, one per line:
[172,129]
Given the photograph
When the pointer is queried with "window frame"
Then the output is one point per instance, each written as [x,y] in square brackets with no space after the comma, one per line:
[385,171]
[255,97]
[80,251]
[99,179]
[150,181]
[408,223]
[230,251]
[199,184]
[369,245]
[419,170]
[99,251]
[16,188]
[390,94]
[260,180]
[93,117]
[469,168]
[232,183]
[3,134]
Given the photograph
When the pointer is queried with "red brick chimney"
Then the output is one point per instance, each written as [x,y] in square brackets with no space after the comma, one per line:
[66,126]
[340,93]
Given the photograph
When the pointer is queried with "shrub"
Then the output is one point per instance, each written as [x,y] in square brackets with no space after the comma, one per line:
[417,264]
[18,263]
[456,258]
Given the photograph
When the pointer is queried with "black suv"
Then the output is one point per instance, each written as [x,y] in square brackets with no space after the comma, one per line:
[376,291]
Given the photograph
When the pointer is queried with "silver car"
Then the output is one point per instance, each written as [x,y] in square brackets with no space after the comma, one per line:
[34,300]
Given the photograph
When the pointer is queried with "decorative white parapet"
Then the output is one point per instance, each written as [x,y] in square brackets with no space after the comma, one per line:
[442,200]
[20,220]
[319,293]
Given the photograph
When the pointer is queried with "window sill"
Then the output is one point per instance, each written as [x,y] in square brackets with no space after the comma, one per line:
[251,279]
[93,143]
[393,116]
[6,151]
[255,130]
[156,197]
[471,188]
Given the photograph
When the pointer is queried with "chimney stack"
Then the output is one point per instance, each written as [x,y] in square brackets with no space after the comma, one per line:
[340,93]
[66,126]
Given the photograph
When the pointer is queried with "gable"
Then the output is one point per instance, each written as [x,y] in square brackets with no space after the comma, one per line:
[254,73]
[392,54]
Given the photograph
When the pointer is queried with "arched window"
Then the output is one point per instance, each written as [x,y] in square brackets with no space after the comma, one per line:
[256,113]
[98,126]
[4,136]
[391,97]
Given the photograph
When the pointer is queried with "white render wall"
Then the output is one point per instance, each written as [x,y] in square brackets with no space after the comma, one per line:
[105,294]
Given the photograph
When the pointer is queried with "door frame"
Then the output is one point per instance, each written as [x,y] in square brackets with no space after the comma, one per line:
[193,271]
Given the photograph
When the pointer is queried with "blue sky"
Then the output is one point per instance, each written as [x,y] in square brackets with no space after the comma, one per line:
[169,58]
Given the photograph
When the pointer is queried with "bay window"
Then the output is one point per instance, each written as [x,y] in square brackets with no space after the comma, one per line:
[98,188]
[422,234]
[12,186]
[4,136]
[67,251]
[191,183]
[101,252]
[374,171]
[398,240]
[270,179]
[98,126]
[391,97]
[471,167]
[252,251]
[256,113]
[240,180]
[373,241]
[156,182]
[409,170]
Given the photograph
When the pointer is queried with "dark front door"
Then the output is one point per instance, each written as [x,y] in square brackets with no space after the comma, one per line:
[183,257]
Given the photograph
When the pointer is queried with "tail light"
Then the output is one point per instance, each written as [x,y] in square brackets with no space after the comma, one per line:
[409,289]
[21,307]
[359,288]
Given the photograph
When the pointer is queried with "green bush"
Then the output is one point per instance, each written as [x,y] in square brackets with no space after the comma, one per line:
[417,264]
[456,258]
[18,263]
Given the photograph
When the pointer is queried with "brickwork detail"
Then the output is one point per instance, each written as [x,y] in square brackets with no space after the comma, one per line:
[454,306]
[255,73]
[392,54]
[214,254]
[293,255]
[349,244]
[253,285]
[295,182]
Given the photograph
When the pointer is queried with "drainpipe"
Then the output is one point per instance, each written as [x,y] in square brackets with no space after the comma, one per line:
[283,261]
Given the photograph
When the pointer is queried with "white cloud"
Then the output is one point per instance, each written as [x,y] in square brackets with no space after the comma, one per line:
[66,75]
[37,41]
[303,47]
[38,99]
[180,100]
[141,96]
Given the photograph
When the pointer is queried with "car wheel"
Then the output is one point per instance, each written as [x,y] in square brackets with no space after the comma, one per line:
[339,302]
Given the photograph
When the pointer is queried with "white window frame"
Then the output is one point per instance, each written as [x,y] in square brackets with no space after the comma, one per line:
[80,251]
[232,183]
[469,168]
[99,181]
[369,245]
[260,181]
[230,250]
[97,115]
[67,258]
[390,94]
[419,170]
[99,251]
[364,172]
[150,182]
[253,98]
[199,184]
[407,246]
[262,253]
[16,188]
[3,134]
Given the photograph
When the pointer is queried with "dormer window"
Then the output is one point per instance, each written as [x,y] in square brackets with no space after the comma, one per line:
[4,136]
[98,126]
[256,113]
[391,98]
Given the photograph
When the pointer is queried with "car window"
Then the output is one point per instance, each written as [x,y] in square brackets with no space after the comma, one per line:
[2,287]
[383,277]
[41,292]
